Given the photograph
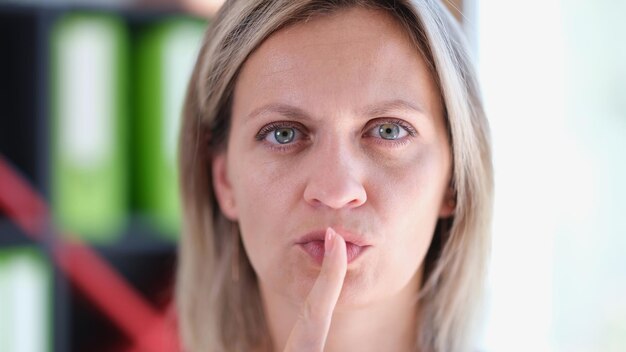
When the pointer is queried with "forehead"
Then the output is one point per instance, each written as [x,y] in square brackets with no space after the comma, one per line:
[339,62]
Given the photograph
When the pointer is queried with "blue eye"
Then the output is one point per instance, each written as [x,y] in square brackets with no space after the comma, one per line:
[281,133]
[284,135]
[388,131]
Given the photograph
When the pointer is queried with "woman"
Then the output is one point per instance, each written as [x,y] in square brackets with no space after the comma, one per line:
[336,180]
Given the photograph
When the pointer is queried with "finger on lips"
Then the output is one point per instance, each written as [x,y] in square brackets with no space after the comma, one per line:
[311,328]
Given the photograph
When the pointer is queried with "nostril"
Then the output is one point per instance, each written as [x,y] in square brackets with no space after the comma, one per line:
[357,202]
[349,195]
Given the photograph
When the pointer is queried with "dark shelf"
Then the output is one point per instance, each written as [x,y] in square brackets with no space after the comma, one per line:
[140,237]
[150,274]
[131,12]
[11,235]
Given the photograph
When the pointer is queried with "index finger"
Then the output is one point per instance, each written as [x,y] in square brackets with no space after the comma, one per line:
[311,329]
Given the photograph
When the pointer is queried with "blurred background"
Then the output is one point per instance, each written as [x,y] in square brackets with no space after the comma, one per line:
[90,95]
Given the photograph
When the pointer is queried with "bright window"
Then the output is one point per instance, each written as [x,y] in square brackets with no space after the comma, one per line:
[554,81]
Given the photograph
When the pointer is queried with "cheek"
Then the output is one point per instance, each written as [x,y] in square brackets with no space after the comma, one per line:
[266,190]
[410,192]
[407,204]
[266,193]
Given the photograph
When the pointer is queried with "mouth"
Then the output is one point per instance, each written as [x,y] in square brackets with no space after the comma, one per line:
[313,244]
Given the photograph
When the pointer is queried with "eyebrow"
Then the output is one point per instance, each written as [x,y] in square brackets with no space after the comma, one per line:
[374,110]
[286,110]
[384,108]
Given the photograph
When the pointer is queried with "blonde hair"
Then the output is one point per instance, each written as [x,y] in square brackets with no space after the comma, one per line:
[218,299]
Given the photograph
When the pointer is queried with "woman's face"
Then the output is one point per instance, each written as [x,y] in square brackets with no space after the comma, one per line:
[336,122]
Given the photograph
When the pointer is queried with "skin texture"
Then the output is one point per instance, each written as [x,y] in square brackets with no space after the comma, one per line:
[333,81]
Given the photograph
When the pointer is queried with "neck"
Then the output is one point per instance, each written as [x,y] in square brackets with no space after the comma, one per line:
[389,324]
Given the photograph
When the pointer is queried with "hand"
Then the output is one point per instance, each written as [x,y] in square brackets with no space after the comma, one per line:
[310,331]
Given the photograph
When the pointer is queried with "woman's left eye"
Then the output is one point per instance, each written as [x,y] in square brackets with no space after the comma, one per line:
[389,131]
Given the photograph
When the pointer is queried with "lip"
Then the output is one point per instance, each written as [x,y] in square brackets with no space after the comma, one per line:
[313,244]
[318,235]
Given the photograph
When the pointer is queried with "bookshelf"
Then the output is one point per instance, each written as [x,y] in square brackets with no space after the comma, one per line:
[142,252]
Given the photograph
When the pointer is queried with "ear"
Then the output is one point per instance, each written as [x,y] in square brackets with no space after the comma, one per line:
[448,203]
[223,187]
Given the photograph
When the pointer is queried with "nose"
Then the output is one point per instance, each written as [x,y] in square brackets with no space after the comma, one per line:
[334,180]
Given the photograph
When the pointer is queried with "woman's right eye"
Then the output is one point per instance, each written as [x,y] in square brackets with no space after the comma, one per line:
[284,135]
[280,134]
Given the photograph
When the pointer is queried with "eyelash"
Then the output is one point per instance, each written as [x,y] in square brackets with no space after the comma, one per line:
[271,127]
[407,127]
[411,131]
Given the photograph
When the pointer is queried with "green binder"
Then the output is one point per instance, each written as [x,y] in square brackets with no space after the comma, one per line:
[166,53]
[89,113]
[25,301]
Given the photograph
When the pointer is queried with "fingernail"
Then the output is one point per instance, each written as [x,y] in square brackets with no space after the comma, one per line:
[329,241]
